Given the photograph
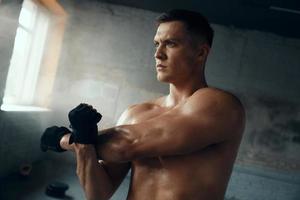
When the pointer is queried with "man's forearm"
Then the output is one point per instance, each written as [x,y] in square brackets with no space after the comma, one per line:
[116,144]
[92,176]
[113,145]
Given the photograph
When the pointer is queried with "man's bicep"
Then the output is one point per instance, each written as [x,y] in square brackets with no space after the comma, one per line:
[209,119]
[186,129]
[176,134]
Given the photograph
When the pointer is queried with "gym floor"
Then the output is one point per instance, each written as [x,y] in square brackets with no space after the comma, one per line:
[33,187]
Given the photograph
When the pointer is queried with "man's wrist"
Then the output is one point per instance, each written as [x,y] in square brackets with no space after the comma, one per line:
[64,142]
[84,136]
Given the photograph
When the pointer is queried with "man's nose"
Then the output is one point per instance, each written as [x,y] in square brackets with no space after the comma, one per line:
[159,53]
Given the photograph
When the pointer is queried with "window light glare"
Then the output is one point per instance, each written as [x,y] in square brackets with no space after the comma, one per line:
[27,15]
[25,64]
[20,108]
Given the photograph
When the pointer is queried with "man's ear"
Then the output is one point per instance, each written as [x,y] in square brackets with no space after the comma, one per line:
[203,51]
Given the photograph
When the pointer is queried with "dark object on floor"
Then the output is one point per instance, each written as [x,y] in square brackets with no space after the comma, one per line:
[56,189]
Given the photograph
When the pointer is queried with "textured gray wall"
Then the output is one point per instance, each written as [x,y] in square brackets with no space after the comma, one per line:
[107,61]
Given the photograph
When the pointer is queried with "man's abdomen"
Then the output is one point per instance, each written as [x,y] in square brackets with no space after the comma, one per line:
[187,177]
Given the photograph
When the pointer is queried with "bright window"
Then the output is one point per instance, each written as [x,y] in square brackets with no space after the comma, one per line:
[35,56]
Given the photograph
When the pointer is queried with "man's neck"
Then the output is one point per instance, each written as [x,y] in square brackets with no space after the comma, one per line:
[179,93]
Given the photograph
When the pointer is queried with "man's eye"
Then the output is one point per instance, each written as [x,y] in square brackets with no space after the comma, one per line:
[156,44]
[171,44]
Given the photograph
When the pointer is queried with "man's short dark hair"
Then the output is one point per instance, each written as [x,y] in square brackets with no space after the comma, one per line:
[195,23]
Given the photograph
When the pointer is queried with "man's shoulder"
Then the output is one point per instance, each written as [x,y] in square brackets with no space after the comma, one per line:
[214,95]
[135,110]
[219,106]
[215,101]
[144,106]
[213,91]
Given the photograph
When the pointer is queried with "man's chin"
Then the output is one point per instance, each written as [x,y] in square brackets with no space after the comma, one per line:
[163,79]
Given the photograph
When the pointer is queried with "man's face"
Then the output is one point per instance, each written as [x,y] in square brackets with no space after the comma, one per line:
[176,57]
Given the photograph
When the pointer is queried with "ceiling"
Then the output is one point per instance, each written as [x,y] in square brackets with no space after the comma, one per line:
[281,17]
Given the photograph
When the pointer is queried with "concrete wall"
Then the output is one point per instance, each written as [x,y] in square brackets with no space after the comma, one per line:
[107,61]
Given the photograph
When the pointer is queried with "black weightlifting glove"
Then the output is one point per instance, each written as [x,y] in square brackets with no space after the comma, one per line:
[51,137]
[84,119]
